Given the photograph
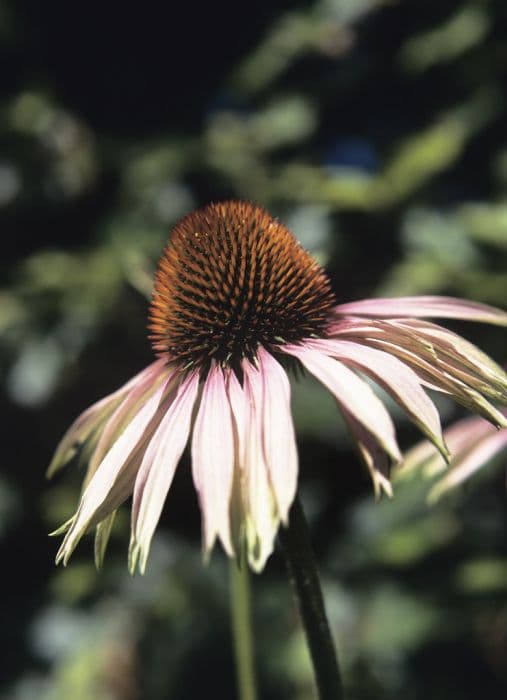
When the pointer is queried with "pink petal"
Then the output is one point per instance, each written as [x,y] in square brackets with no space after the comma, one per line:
[81,430]
[157,470]
[467,432]
[460,356]
[473,400]
[146,384]
[154,368]
[435,375]
[373,455]
[213,460]
[423,455]
[280,449]
[239,408]
[114,477]
[102,534]
[352,393]
[424,358]
[351,326]
[395,377]
[91,419]
[261,519]
[430,306]
[464,467]
[460,436]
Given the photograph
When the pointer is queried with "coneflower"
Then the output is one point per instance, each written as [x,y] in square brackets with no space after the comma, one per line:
[237,304]
[473,443]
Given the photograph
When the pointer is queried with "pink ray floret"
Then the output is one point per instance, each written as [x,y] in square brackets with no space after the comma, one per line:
[473,443]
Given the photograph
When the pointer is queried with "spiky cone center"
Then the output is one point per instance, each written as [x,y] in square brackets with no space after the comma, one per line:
[232,279]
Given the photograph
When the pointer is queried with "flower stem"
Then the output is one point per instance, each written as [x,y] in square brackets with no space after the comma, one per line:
[242,628]
[300,560]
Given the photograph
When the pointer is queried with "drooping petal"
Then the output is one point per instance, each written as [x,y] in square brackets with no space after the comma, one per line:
[95,416]
[239,407]
[279,441]
[352,393]
[478,455]
[81,431]
[474,401]
[140,391]
[113,480]
[372,454]
[457,355]
[424,306]
[157,470]
[261,516]
[102,534]
[467,432]
[395,377]
[418,457]
[213,460]
[460,436]
[426,359]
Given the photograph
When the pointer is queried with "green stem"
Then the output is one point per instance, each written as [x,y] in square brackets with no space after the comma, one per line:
[242,628]
[300,560]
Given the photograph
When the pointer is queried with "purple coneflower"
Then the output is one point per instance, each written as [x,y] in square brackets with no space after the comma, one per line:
[473,443]
[237,303]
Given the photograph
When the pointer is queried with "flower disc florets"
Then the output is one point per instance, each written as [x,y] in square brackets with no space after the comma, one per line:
[232,279]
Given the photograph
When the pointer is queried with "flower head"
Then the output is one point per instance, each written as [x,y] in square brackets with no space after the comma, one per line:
[237,303]
[231,280]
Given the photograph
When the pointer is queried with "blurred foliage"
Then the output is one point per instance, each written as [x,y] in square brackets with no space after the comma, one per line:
[376,130]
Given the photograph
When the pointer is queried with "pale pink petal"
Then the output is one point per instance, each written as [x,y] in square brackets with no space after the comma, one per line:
[467,431]
[429,306]
[152,368]
[351,326]
[102,534]
[240,412]
[375,458]
[434,376]
[422,456]
[473,460]
[157,470]
[473,400]
[146,384]
[395,377]
[280,449]
[457,355]
[446,351]
[423,356]
[261,518]
[81,430]
[95,416]
[371,331]
[460,436]
[239,406]
[113,480]
[351,393]
[213,460]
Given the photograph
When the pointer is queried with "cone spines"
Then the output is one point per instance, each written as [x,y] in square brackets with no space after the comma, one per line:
[232,278]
